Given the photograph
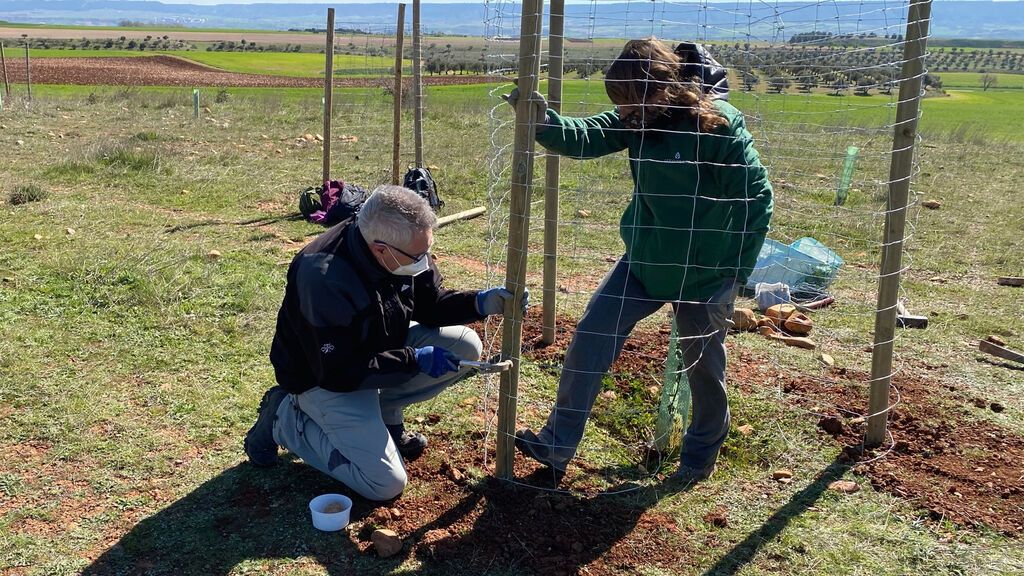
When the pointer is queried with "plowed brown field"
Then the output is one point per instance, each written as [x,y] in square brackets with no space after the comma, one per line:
[173,71]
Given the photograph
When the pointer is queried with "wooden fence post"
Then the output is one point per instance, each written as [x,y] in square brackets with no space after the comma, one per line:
[328,95]
[900,169]
[556,53]
[396,144]
[518,233]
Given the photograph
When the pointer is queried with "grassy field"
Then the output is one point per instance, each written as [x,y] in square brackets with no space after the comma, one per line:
[972,80]
[138,297]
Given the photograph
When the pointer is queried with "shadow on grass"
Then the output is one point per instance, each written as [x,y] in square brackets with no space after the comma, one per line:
[293,217]
[745,551]
[243,513]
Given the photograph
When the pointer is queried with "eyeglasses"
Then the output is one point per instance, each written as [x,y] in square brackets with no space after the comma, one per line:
[403,252]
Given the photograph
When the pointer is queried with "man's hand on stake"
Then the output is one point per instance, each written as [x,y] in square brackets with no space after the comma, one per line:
[492,301]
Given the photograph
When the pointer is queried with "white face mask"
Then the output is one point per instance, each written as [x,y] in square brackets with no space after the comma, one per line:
[413,268]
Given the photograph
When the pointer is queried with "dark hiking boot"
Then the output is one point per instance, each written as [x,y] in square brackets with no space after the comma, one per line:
[259,444]
[410,444]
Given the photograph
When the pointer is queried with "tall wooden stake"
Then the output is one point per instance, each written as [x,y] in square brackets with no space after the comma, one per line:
[417,82]
[3,63]
[28,72]
[555,59]
[518,233]
[396,144]
[896,217]
[328,94]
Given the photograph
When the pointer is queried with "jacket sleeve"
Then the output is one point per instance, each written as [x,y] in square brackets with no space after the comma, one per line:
[435,305]
[333,310]
[583,138]
[741,176]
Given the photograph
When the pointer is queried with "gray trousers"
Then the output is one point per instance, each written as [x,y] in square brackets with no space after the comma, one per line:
[614,309]
[344,435]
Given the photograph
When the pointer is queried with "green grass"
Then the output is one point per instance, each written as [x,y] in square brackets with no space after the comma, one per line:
[131,361]
[972,80]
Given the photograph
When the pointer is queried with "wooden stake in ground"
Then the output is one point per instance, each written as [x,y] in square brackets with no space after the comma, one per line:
[3,63]
[518,233]
[328,95]
[396,143]
[28,72]
[417,83]
[900,169]
[555,58]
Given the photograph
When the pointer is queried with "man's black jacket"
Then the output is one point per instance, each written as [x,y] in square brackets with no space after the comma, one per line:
[344,319]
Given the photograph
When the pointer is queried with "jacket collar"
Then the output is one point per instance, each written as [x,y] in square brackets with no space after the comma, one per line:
[360,255]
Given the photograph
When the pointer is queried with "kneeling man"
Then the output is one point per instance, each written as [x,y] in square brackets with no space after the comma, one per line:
[366,328]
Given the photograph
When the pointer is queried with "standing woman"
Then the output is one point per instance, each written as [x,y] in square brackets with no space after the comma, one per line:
[699,213]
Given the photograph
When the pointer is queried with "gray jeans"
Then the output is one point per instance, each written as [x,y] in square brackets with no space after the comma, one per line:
[344,435]
[614,309]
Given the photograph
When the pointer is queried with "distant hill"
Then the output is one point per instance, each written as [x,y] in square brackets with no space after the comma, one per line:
[776,21]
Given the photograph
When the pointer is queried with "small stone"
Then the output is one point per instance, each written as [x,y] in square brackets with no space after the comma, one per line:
[782,474]
[386,542]
[932,204]
[609,395]
[70,231]
[583,213]
[996,407]
[979,403]
[38,236]
[19,142]
[827,360]
[213,254]
[318,138]
[307,137]
[844,486]
[745,429]
[996,340]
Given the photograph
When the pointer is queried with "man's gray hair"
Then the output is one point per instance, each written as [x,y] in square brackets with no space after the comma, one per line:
[393,214]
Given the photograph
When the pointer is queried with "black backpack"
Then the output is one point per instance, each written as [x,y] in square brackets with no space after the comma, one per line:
[421,182]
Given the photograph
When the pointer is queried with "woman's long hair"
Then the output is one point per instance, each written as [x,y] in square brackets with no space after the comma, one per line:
[645,68]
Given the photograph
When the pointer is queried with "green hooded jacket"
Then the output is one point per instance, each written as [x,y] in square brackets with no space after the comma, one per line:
[701,201]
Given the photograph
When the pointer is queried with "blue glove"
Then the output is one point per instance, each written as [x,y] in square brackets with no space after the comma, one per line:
[435,361]
[492,301]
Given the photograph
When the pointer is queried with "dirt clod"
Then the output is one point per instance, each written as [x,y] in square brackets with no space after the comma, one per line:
[719,517]
[831,424]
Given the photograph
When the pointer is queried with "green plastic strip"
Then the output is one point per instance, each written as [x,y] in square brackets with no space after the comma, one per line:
[844,182]
[674,410]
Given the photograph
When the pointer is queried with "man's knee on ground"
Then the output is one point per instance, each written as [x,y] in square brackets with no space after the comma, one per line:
[384,488]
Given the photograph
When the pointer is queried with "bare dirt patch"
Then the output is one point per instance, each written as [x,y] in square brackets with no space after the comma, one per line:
[166,70]
[944,459]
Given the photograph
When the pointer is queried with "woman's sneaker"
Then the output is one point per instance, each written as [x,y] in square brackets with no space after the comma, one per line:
[259,443]
[531,446]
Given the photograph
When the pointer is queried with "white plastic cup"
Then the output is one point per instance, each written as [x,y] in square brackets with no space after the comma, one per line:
[330,521]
